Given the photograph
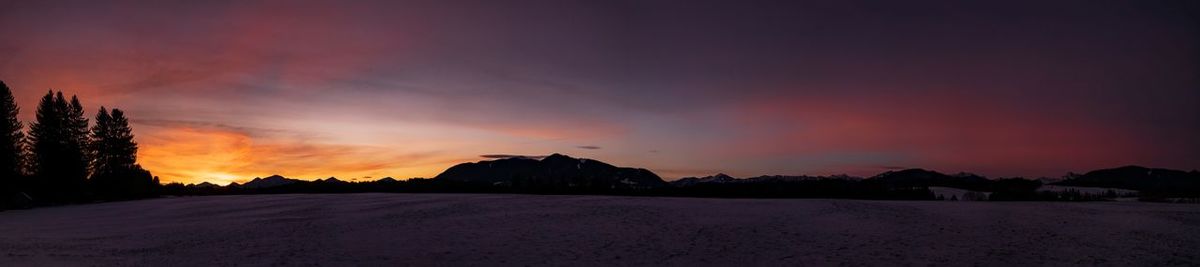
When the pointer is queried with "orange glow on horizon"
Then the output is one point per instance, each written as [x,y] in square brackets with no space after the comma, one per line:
[194,155]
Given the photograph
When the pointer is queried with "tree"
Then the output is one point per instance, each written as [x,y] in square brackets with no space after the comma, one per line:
[44,137]
[100,147]
[57,139]
[115,172]
[11,136]
[124,149]
[78,140]
[11,142]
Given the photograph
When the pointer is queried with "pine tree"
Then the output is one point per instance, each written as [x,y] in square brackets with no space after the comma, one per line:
[100,146]
[78,140]
[45,147]
[44,135]
[122,144]
[11,142]
[103,178]
[57,143]
[115,171]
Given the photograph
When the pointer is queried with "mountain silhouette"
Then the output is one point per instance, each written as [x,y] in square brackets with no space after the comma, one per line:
[925,178]
[795,178]
[331,179]
[561,174]
[1139,178]
[719,178]
[722,178]
[556,171]
[270,181]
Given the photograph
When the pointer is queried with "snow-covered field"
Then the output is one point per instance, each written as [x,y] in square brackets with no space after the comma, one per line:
[464,229]
[1087,190]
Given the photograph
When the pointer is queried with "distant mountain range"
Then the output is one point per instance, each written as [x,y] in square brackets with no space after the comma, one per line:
[556,171]
[922,177]
[559,173]
[719,178]
[270,181]
[1128,177]
[1139,178]
[722,178]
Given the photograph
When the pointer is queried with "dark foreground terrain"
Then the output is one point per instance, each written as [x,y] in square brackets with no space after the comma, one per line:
[465,229]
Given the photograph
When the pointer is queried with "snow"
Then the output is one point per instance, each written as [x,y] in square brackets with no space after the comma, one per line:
[482,229]
[1086,190]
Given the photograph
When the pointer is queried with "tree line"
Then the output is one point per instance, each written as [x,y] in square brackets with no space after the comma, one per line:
[63,158]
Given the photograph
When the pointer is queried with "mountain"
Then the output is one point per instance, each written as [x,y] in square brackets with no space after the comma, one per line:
[1139,178]
[926,178]
[792,178]
[719,178]
[270,181]
[556,171]
[331,179]
[561,174]
[722,178]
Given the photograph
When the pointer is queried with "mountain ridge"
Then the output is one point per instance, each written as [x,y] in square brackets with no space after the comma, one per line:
[553,172]
[558,173]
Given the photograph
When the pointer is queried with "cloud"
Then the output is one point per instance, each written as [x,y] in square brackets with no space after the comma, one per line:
[475,77]
[553,130]
[932,131]
[253,131]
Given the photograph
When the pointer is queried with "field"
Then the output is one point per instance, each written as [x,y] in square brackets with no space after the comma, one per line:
[465,229]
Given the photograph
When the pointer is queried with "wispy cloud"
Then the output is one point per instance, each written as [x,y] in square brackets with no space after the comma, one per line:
[253,131]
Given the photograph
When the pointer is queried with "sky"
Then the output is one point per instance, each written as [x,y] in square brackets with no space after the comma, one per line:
[225,91]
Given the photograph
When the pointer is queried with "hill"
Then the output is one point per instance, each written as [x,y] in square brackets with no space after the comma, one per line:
[718,178]
[270,181]
[926,178]
[1149,180]
[554,172]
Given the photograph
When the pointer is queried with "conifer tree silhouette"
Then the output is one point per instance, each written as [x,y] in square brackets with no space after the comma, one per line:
[100,147]
[57,139]
[78,139]
[115,172]
[11,142]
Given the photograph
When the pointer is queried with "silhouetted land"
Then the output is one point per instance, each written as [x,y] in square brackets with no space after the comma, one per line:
[560,174]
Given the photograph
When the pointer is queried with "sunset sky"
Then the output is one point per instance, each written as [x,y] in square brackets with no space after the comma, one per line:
[226,91]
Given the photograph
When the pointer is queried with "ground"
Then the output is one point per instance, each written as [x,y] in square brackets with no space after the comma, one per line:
[465,229]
